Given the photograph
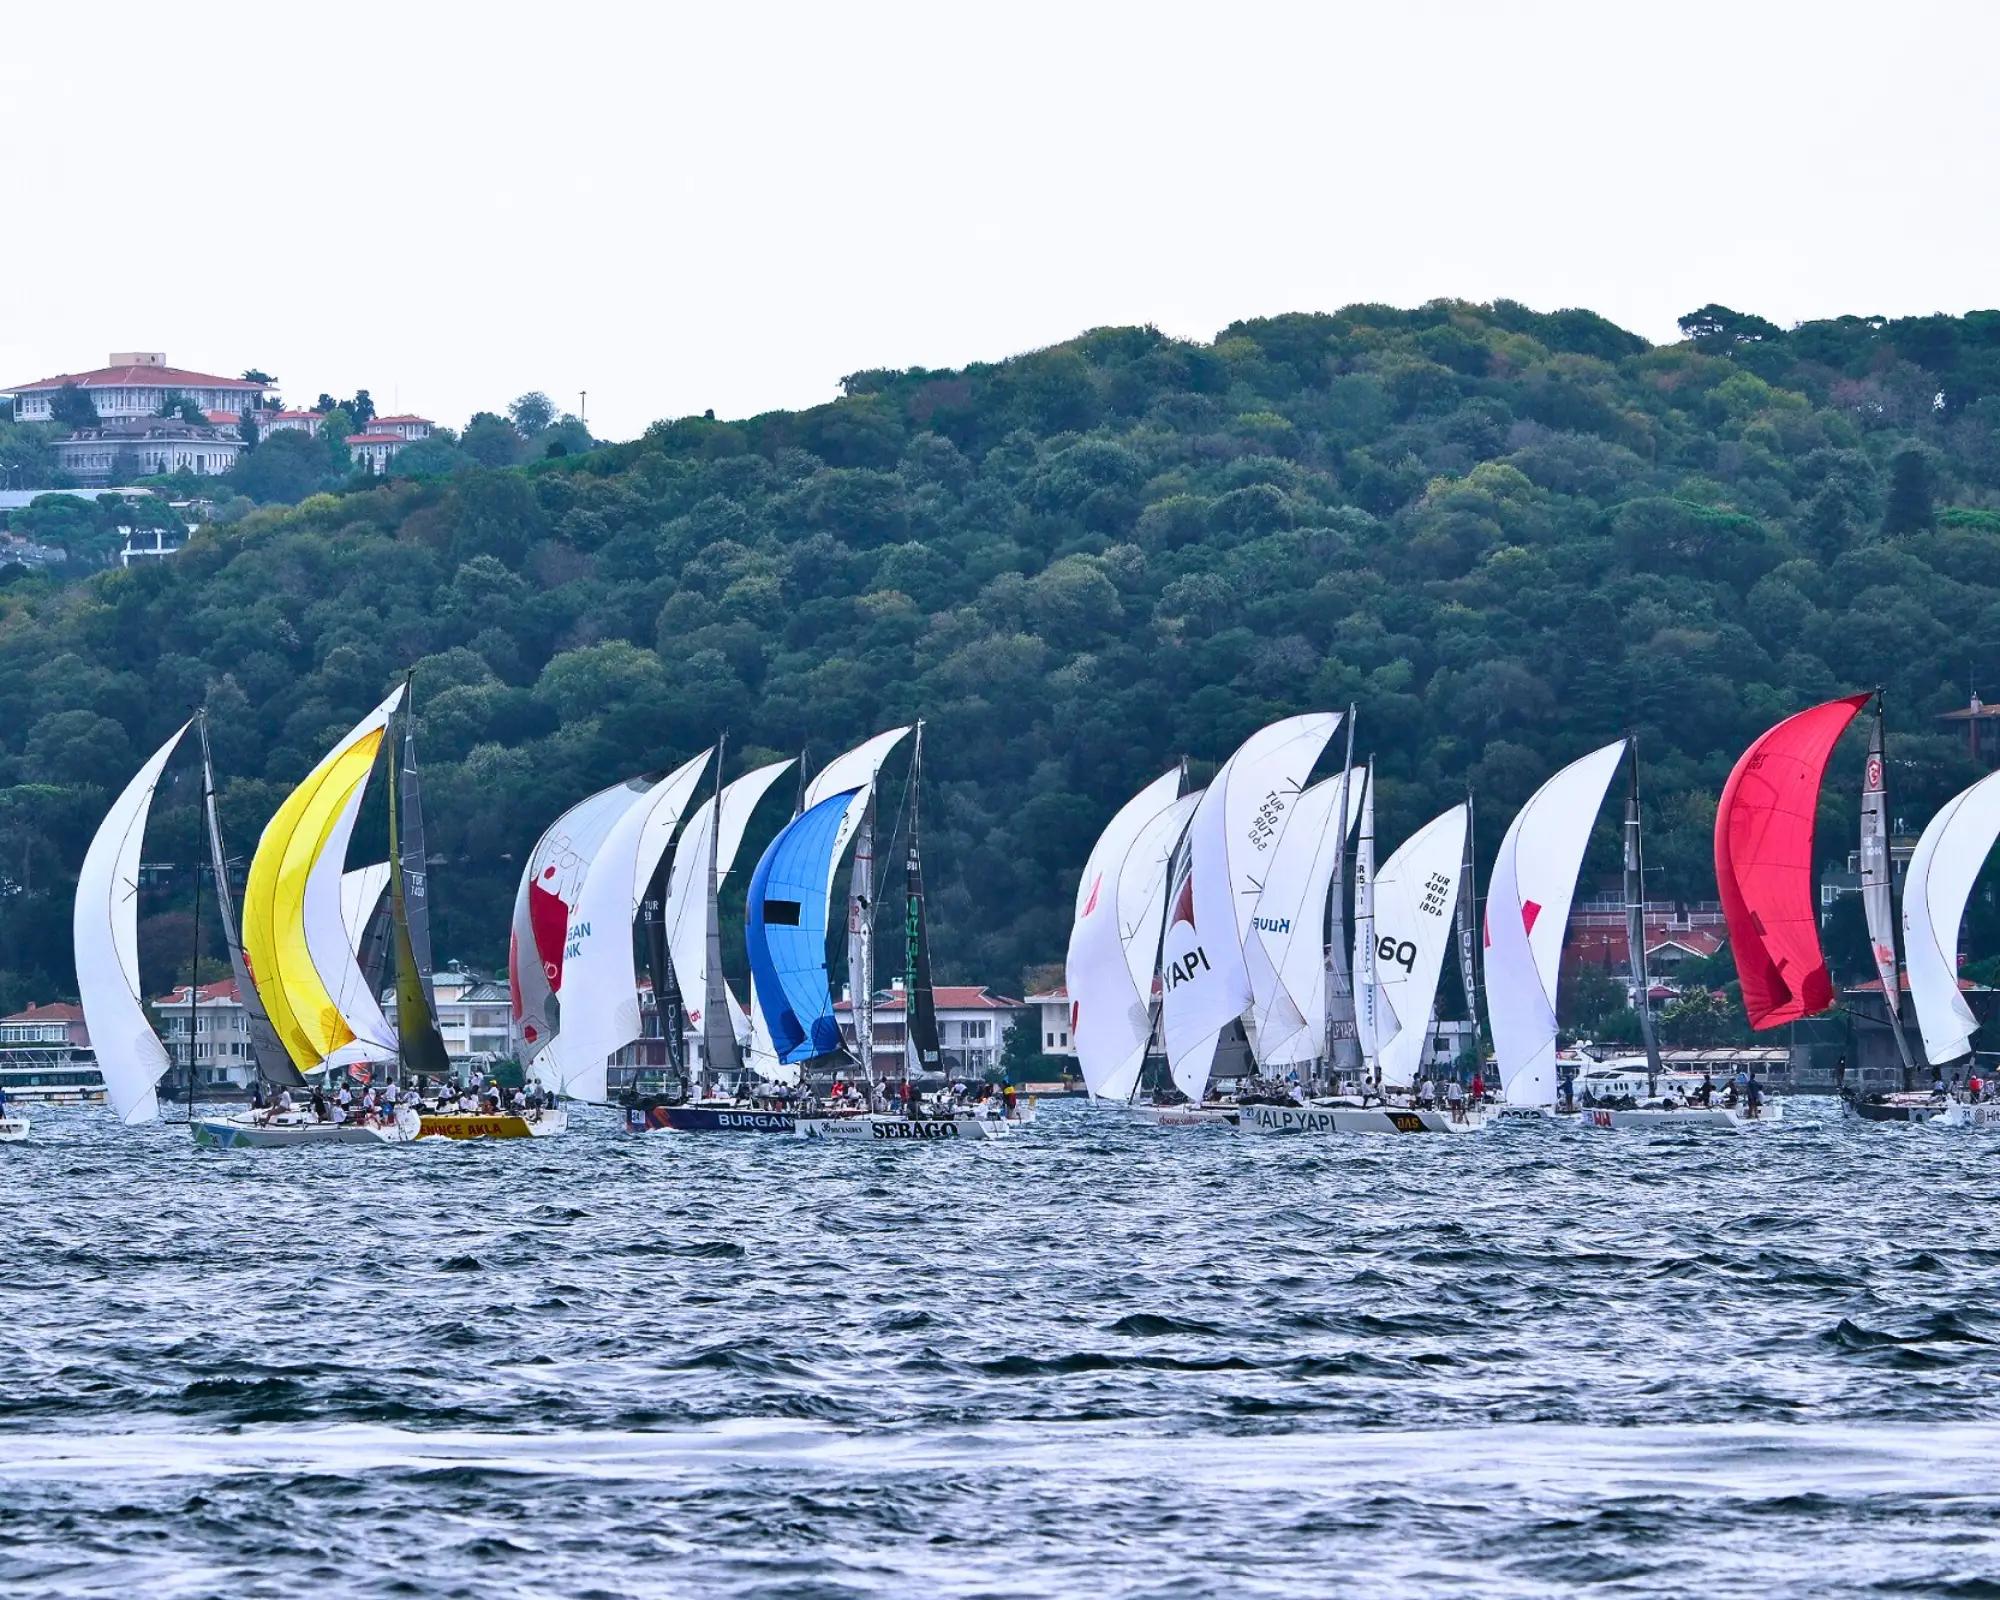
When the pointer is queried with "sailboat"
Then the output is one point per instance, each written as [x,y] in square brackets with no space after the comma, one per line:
[1213,894]
[1114,938]
[130,1056]
[1606,1095]
[1947,859]
[1764,864]
[299,950]
[922,1054]
[691,937]
[590,872]
[1404,921]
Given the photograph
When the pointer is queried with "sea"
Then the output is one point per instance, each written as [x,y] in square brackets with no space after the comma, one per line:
[1097,1359]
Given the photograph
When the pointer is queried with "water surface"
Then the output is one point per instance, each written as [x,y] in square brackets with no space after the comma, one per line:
[1099,1358]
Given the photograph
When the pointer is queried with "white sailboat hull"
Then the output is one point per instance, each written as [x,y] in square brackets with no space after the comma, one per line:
[914,1130]
[1185,1116]
[1958,1114]
[1363,1119]
[244,1130]
[499,1125]
[1677,1116]
[13,1129]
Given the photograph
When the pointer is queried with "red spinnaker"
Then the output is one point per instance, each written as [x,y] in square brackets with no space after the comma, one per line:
[1764,864]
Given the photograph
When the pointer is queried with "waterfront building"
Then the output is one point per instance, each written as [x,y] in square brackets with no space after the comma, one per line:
[45,1054]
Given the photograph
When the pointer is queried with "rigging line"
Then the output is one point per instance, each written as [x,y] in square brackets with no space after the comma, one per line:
[887,852]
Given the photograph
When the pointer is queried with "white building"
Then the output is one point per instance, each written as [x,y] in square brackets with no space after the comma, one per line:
[306,422]
[222,1055]
[379,444]
[134,385]
[474,1015]
[145,447]
[973,1024]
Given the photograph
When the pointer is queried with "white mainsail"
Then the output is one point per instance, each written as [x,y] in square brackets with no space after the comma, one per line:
[1415,894]
[360,893]
[1286,952]
[1939,881]
[1110,1005]
[1527,910]
[1230,840]
[687,888]
[600,979]
[1374,1019]
[105,923]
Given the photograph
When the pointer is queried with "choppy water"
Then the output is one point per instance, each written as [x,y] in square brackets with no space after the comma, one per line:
[1097,1359]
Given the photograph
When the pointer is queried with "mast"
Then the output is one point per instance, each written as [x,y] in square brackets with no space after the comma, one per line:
[921,1049]
[1154,1002]
[718,1034]
[1468,927]
[1635,922]
[419,1046]
[194,977]
[1340,1038]
[273,1065]
[1878,887]
[1364,935]
[860,926]
[667,1005]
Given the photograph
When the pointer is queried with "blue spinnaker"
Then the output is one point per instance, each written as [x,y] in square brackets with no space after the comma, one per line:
[785,929]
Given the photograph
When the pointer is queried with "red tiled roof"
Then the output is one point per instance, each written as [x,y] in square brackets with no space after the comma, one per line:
[224,989]
[54,1011]
[221,417]
[407,416]
[1874,985]
[137,377]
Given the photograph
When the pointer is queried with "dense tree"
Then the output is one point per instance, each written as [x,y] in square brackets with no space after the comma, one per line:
[72,407]
[491,441]
[532,413]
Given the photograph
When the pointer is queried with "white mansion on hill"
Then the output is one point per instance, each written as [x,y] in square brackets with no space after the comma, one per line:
[132,439]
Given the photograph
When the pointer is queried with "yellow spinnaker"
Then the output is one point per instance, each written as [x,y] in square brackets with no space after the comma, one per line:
[274,917]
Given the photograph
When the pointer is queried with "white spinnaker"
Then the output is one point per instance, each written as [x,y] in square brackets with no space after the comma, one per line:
[551,884]
[600,990]
[1110,1006]
[1230,841]
[1527,911]
[1286,952]
[332,951]
[687,890]
[105,922]
[1939,881]
[1416,892]
[360,893]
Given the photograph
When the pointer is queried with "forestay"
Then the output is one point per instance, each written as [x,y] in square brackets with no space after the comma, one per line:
[1935,889]
[1415,893]
[1231,838]
[105,922]
[1110,1000]
[1527,910]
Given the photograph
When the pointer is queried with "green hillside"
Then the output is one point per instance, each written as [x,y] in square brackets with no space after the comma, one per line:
[1508,535]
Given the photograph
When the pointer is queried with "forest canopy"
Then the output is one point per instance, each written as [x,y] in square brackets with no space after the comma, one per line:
[1508,536]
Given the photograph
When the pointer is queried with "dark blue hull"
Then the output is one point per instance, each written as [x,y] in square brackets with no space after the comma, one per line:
[708,1119]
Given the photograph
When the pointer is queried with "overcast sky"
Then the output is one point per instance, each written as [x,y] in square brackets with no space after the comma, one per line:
[730,206]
